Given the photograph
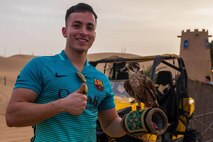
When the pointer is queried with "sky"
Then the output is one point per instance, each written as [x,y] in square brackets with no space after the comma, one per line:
[142,27]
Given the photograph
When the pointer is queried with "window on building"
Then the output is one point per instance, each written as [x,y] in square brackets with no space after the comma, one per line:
[206,43]
[186,43]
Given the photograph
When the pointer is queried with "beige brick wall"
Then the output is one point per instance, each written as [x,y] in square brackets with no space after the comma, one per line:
[196,56]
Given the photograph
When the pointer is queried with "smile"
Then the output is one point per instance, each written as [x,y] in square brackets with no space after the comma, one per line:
[82,39]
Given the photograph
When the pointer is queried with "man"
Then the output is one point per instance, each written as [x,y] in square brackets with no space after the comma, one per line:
[50,95]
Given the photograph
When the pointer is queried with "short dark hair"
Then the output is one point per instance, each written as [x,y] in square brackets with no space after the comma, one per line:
[80,7]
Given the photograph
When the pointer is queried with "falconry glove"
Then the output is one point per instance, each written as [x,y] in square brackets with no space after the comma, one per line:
[148,120]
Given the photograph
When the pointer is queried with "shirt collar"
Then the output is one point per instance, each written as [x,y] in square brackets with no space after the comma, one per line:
[64,57]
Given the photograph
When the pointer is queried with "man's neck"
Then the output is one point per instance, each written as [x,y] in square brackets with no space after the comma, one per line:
[78,59]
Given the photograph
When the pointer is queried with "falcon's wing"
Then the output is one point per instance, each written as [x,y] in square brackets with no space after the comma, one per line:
[149,91]
[151,88]
[129,89]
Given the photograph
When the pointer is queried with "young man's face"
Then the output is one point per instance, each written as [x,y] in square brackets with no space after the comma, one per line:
[80,31]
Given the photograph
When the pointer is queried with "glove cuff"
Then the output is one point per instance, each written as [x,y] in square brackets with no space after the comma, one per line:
[149,120]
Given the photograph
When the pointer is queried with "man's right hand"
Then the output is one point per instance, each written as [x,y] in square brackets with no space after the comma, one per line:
[76,102]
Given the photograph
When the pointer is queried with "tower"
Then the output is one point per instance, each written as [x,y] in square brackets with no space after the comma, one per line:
[195,51]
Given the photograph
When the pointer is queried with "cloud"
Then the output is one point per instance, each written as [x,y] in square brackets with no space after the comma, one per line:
[142,27]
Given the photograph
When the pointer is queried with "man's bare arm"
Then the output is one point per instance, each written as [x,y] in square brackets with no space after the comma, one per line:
[110,123]
[22,111]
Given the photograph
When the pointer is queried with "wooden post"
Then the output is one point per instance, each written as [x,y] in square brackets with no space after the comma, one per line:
[5,81]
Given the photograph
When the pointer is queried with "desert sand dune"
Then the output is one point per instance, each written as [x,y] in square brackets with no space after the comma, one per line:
[22,134]
[11,134]
[4,98]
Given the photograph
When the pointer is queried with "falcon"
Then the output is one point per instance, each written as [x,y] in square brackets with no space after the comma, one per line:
[140,87]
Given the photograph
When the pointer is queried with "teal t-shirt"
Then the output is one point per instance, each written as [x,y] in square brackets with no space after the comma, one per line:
[54,77]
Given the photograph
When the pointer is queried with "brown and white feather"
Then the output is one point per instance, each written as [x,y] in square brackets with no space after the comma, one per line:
[142,88]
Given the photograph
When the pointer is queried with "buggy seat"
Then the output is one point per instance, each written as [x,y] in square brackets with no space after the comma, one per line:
[167,98]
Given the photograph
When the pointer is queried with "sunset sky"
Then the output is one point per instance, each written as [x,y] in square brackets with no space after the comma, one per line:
[142,27]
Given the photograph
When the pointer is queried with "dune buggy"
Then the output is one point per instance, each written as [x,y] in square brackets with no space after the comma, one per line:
[170,77]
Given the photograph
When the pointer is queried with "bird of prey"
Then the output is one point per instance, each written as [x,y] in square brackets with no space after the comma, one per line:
[140,87]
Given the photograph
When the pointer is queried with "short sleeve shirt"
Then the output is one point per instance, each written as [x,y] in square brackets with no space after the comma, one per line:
[54,77]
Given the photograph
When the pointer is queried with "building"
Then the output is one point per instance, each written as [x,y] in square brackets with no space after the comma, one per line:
[195,51]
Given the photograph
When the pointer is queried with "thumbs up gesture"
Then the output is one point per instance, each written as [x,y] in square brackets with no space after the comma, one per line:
[83,89]
[75,103]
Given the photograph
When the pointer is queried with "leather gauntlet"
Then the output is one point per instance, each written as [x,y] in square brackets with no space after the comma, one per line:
[149,120]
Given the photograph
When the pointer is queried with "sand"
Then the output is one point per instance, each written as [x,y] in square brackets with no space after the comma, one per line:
[9,69]
[8,134]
